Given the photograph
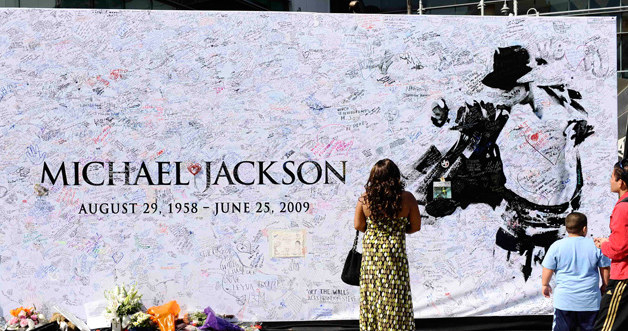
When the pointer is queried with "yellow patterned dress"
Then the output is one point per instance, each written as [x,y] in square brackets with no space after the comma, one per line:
[385,296]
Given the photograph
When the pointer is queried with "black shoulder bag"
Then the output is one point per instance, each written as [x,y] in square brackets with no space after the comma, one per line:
[351,270]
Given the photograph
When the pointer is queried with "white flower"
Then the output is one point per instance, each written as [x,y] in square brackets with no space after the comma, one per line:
[126,320]
[41,317]
[22,313]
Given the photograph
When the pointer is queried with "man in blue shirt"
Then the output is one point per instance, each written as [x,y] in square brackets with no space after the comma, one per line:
[575,260]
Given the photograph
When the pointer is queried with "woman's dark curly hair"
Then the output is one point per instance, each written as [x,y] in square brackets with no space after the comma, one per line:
[383,190]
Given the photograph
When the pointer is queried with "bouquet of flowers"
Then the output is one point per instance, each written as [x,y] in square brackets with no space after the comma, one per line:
[197,318]
[122,302]
[24,318]
[141,320]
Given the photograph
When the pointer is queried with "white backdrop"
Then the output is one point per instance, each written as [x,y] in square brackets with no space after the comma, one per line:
[196,87]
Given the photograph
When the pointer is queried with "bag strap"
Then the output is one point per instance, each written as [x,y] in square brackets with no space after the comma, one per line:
[355,241]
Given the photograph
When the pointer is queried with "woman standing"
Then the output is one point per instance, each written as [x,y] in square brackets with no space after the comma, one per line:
[386,213]
[613,314]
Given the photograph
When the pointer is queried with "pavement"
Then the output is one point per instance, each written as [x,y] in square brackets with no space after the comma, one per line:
[491,323]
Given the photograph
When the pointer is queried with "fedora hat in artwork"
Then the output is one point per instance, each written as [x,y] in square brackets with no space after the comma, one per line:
[509,64]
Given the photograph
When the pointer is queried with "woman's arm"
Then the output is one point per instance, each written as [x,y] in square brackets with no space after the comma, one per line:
[605,273]
[616,246]
[414,215]
[359,220]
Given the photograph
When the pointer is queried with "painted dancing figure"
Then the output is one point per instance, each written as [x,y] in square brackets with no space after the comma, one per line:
[474,164]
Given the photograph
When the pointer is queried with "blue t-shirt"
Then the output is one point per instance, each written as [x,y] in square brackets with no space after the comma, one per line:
[575,261]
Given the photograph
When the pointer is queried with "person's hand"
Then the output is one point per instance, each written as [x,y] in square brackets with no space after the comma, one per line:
[599,241]
[546,290]
[440,113]
[579,131]
[603,288]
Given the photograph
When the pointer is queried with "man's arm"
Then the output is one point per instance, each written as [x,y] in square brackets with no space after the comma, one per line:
[545,280]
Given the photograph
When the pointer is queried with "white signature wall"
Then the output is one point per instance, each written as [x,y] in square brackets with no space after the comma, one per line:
[196,87]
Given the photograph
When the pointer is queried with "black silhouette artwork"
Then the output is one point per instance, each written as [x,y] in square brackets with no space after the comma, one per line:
[474,166]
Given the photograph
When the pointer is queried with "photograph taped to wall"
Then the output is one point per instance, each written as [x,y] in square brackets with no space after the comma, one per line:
[287,243]
[441,189]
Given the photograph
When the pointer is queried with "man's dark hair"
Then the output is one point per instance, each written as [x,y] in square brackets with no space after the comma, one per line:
[575,222]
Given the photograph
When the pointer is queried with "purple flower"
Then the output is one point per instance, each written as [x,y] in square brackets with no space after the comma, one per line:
[14,321]
[24,323]
[34,317]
